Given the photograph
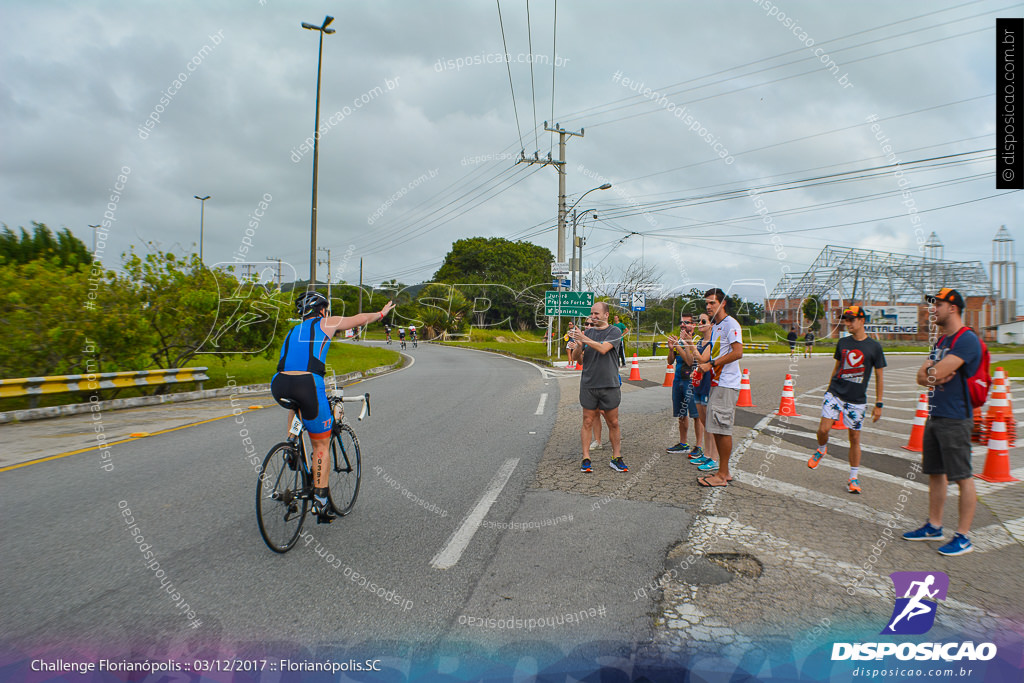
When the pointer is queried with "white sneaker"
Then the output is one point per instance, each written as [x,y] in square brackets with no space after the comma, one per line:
[595,445]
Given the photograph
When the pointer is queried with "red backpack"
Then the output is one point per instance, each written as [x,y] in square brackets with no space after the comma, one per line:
[980,382]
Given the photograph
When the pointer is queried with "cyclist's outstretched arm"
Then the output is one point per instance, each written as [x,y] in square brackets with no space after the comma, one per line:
[335,323]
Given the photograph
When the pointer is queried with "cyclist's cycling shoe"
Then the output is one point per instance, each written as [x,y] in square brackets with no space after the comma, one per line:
[322,510]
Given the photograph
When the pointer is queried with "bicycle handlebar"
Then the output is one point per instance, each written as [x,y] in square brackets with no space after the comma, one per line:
[364,399]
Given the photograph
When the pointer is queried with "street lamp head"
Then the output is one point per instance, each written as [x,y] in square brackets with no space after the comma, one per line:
[202,199]
[311,27]
[327,21]
[606,186]
[328,31]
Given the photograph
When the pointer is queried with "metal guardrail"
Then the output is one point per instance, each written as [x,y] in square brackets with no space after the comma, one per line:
[34,387]
[755,346]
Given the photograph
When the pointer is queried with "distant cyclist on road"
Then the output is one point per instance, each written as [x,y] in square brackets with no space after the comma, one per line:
[300,377]
[387,333]
[412,335]
[401,336]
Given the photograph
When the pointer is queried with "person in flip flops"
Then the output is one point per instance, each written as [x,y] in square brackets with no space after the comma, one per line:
[724,364]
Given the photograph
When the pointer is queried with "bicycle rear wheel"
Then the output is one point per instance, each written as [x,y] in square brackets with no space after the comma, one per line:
[347,466]
[280,501]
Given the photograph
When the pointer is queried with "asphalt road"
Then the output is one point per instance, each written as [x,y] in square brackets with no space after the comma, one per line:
[445,432]
[488,546]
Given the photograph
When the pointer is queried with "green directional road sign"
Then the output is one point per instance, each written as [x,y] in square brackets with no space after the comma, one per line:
[574,304]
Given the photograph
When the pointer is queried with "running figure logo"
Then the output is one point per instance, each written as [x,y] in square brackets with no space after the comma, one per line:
[914,613]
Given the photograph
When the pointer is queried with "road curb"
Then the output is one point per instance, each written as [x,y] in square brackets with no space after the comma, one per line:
[30,414]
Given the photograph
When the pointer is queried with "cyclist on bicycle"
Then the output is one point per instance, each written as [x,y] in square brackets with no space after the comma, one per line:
[412,334]
[300,378]
[387,333]
[401,336]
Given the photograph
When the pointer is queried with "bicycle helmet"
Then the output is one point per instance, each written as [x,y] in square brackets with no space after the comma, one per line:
[309,304]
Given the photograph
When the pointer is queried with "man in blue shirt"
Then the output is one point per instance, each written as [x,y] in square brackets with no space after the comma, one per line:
[946,449]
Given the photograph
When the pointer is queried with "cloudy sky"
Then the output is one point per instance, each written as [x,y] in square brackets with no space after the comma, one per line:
[422,131]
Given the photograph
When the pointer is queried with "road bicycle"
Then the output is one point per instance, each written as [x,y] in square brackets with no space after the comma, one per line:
[387,337]
[403,343]
[415,342]
[284,490]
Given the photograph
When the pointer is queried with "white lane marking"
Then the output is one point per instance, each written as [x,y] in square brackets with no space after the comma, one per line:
[823,500]
[452,551]
[865,473]
[540,406]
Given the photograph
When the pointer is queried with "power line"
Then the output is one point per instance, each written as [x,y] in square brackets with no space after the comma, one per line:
[554,53]
[509,67]
[529,39]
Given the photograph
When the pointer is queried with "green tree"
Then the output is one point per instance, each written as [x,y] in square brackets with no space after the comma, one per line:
[42,244]
[510,276]
[442,310]
[813,311]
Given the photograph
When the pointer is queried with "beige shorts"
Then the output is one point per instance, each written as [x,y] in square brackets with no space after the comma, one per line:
[722,410]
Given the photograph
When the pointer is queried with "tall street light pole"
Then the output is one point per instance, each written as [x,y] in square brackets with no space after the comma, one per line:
[316,139]
[202,214]
[561,243]
[94,229]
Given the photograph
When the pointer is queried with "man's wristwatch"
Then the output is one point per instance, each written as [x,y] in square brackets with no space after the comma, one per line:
[879,405]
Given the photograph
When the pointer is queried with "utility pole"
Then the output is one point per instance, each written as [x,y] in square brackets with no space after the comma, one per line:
[271,258]
[560,168]
[247,269]
[360,284]
[328,262]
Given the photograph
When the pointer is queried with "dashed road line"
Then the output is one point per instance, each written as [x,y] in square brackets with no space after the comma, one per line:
[448,556]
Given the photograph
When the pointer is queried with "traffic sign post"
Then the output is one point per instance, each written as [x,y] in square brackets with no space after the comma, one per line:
[573,304]
[638,302]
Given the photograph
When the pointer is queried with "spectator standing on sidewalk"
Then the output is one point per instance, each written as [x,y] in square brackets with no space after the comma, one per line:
[701,382]
[622,347]
[791,338]
[724,366]
[946,448]
[599,382]
[856,356]
[682,352]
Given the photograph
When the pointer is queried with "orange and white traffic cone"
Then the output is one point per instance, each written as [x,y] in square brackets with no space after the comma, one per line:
[1011,421]
[917,433]
[998,406]
[670,374]
[787,405]
[634,370]
[997,462]
[745,398]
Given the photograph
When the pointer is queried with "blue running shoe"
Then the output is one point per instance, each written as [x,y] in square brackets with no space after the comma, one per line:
[708,466]
[960,545]
[585,465]
[618,465]
[925,533]
[678,448]
[697,452]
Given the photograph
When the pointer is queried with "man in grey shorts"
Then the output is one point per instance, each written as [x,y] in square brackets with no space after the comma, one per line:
[946,447]
[597,349]
[724,366]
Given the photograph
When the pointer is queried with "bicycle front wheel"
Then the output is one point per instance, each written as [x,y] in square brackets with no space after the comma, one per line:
[347,466]
[280,501]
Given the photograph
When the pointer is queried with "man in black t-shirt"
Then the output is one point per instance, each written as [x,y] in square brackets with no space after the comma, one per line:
[808,344]
[847,395]
[791,338]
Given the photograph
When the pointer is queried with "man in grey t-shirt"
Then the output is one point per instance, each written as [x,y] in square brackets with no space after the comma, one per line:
[597,349]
